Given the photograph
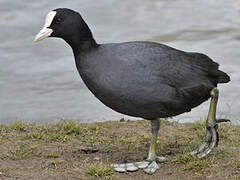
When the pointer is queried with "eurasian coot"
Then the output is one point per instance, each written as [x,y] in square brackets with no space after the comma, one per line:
[141,79]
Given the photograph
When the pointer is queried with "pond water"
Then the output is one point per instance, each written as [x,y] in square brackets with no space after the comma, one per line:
[39,81]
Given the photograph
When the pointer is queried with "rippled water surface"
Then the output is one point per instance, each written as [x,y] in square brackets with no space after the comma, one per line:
[39,82]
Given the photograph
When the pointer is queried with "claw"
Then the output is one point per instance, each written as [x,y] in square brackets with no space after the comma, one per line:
[211,140]
[161,159]
[222,120]
[119,167]
[148,167]
[143,164]
[131,167]
[204,144]
[152,168]
[212,137]
[217,138]
[211,145]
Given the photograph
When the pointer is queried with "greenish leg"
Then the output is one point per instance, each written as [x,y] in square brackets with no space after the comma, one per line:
[155,125]
[211,138]
[149,165]
[152,157]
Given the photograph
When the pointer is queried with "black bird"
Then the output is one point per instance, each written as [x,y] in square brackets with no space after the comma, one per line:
[141,79]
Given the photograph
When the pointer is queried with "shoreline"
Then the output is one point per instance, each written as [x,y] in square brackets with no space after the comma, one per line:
[73,150]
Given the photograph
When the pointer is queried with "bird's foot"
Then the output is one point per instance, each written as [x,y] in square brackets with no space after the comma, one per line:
[211,139]
[148,166]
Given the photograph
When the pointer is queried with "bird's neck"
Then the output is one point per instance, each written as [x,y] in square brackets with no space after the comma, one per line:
[81,40]
[81,45]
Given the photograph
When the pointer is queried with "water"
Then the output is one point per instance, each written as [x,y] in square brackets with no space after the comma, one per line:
[39,82]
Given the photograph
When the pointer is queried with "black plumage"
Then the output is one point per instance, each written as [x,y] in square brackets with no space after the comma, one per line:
[141,79]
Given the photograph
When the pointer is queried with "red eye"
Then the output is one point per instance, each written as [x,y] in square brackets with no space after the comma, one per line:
[58,20]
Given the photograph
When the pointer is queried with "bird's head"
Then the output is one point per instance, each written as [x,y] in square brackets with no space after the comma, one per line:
[64,23]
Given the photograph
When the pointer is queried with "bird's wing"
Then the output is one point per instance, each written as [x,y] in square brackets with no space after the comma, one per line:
[173,67]
[191,75]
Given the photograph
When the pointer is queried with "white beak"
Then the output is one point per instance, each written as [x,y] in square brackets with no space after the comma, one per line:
[46,31]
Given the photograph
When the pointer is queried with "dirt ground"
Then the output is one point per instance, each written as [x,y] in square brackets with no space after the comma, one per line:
[71,151]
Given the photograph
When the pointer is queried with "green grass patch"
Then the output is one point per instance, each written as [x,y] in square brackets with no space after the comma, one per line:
[100,170]
[20,152]
[236,164]
[190,162]
[52,155]
[16,126]
[56,163]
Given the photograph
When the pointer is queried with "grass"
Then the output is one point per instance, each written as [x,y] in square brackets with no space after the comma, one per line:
[99,170]
[16,126]
[52,155]
[56,163]
[72,150]
[235,164]
[192,163]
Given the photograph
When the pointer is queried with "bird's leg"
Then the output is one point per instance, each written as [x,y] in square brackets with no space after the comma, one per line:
[152,158]
[211,138]
[155,125]
[149,165]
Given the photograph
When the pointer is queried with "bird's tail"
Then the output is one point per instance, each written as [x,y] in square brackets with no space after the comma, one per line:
[222,77]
